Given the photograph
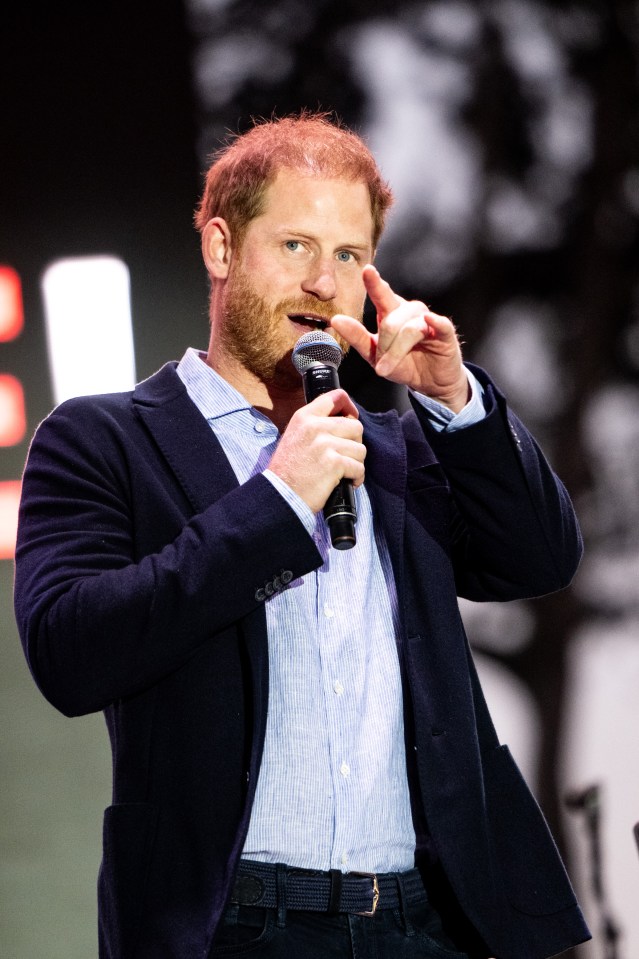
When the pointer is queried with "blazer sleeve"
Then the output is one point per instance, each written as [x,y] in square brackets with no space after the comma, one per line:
[102,614]
[515,533]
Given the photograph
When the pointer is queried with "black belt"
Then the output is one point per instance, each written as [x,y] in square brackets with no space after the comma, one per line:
[362,893]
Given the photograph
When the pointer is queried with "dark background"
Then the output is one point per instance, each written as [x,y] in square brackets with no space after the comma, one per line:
[108,113]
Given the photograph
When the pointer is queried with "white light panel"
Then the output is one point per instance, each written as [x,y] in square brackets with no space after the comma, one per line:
[88,325]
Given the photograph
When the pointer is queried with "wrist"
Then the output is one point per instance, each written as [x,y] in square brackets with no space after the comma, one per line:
[455,400]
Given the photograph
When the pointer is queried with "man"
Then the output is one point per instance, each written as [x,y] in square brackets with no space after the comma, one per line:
[304,764]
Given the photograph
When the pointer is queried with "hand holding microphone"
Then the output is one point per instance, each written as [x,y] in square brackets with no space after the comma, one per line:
[321,454]
[316,357]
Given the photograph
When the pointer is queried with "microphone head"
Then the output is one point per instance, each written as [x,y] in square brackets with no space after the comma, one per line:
[316,348]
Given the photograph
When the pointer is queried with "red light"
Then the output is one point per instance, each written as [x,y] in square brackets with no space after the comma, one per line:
[9,502]
[13,421]
[13,425]
[11,309]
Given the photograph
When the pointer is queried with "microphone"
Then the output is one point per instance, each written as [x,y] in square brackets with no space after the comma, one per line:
[316,356]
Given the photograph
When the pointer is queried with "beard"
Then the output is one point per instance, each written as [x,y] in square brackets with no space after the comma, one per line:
[258,334]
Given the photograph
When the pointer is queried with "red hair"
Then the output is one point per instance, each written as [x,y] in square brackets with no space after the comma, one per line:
[241,172]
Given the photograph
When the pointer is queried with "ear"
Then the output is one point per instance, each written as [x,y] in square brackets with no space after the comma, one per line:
[216,247]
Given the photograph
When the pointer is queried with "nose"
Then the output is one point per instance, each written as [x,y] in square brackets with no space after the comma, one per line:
[320,280]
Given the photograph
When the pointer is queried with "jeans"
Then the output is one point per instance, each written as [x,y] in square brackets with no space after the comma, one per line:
[407,933]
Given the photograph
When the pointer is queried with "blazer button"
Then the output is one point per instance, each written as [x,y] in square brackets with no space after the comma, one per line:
[260,595]
[269,589]
[286,576]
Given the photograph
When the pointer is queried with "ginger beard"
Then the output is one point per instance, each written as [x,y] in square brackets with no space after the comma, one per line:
[259,335]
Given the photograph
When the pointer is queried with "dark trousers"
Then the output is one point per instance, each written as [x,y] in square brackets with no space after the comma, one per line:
[411,931]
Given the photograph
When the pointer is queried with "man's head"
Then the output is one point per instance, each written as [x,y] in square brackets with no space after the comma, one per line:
[308,144]
[291,213]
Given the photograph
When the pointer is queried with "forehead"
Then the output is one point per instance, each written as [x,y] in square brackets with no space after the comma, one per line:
[317,203]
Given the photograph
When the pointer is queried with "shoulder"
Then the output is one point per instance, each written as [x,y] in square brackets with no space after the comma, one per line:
[88,427]
[99,407]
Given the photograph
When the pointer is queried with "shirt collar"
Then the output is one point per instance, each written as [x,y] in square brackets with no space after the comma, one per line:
[210,392]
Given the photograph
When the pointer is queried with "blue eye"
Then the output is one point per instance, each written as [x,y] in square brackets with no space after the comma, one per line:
[344,256]
[292,245]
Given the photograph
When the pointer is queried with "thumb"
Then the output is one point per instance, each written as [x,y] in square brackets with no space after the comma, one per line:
[356,335]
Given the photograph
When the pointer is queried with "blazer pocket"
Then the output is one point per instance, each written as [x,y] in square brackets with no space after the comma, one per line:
[535,880]
[428,477]
[127,843]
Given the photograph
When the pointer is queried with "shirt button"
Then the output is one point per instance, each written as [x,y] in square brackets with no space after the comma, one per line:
[259,426]
[344,859]
[345,770]
[337,686]
[328,612]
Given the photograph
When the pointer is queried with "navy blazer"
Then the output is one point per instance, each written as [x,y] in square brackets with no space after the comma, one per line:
[141,569]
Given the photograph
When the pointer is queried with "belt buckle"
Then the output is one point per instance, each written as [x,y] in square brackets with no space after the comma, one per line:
[373,877]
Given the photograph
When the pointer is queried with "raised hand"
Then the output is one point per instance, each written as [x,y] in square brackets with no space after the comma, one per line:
[413,346]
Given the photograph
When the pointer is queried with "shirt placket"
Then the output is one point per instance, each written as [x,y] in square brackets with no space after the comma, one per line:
[337,680]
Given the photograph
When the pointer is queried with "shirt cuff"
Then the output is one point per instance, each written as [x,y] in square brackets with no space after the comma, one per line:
[443,419]
[302,510]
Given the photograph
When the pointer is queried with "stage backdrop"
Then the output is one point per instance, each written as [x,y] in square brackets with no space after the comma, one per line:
[509,131]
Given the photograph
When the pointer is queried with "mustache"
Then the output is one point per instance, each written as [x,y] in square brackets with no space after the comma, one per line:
[309,305]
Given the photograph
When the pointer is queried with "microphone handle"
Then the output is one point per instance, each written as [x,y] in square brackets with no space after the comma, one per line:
[339,511]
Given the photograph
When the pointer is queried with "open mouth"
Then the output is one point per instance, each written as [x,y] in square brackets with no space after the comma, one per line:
[310,321]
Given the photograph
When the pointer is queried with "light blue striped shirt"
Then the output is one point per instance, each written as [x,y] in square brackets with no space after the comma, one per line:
[332,791]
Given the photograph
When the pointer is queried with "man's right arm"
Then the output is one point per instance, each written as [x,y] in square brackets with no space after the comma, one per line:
[101,615]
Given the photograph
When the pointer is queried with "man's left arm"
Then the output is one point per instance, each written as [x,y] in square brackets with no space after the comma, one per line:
[515,531]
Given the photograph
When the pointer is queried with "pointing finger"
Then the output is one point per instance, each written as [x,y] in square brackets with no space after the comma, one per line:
[384,299]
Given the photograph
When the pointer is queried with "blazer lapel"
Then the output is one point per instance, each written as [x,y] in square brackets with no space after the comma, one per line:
[184,438]
[386,479]
[399,462]
[195,456]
